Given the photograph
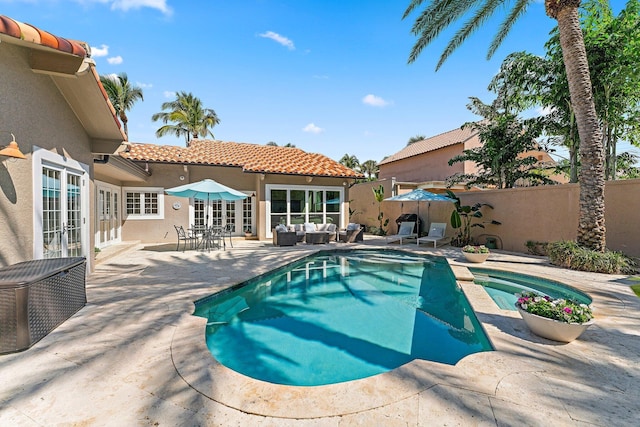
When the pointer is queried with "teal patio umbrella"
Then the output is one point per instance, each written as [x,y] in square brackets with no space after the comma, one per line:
[208,190]
[420,195]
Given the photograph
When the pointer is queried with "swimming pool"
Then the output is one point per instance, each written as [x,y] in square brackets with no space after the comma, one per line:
[338,316]
[502,287]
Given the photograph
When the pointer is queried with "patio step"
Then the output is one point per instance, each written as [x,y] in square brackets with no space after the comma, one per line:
[116,249]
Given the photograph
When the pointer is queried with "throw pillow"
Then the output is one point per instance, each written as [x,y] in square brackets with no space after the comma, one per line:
[309,227]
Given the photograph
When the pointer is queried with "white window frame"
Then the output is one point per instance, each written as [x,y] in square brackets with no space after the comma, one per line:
[306,188]
[40,158]
[158,190]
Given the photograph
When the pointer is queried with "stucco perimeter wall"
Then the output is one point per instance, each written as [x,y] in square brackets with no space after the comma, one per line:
[544,214]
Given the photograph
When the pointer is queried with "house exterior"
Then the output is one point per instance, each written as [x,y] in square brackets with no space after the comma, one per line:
[284,185]
[52,102]
[426,160]
[425,163]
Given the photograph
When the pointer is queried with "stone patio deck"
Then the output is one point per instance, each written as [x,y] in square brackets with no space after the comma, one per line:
[134,355]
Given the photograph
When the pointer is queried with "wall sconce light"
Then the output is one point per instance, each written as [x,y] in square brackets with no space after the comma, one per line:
[261,177]
[309,178]
[12,149]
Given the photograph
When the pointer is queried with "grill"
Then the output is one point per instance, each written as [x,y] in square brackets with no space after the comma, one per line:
[409,218]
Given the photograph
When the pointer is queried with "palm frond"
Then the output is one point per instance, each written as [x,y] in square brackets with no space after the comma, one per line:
[436,18]
[480,17]
[516,12]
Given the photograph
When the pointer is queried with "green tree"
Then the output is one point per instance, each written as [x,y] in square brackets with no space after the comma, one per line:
[370,169]
[438,15]
[500,158]
[122,94]
[626,166]
[526,81]
[613,48]
[188,117]
[378,194]
[415,139]
[350,161]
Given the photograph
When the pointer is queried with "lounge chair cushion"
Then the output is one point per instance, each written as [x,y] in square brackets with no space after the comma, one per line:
[436,232]
[353,226]
[281,228]
[406,228]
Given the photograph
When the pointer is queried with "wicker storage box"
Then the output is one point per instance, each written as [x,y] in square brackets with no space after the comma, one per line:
[37,296]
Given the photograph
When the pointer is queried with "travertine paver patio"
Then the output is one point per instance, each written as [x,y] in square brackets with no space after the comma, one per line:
[135,356]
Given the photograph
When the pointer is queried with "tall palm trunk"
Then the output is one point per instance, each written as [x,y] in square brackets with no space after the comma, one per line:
[591,227]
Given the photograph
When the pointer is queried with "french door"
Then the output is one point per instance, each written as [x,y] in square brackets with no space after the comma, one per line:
[237,215]
[108,215]
[62,213]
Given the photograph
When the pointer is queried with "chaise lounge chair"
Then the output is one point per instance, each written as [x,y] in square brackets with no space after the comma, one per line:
[436,233]
[404,232]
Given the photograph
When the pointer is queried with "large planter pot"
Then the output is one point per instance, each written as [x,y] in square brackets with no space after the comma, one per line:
[553,329]
[475,257]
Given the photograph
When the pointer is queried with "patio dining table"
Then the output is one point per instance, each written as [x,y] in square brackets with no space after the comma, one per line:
[208,237]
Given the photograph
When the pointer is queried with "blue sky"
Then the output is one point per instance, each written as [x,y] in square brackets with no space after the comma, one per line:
[328,76]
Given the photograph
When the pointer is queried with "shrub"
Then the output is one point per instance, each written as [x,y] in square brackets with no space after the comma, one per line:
[536,248]
[569,255]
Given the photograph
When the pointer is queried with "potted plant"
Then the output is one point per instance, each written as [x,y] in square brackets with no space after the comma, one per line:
[466,217]
[556,319]
[247,233]
[477,254]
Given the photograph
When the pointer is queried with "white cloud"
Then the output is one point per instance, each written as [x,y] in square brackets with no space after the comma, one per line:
[544,111]
[144,85]
[278,39]
[126,5]
[374,101]
[312,128]
[115,60]
[168,94]
[320,77]
[103,50]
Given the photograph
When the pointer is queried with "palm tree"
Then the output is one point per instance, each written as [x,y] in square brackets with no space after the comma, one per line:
[370,169]
[122,95]
[190,119]
[351,162]
[438,15]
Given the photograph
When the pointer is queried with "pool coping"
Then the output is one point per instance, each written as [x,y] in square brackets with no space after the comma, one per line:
[195,364]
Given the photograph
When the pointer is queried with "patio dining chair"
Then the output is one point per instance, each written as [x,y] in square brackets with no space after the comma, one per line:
[185,237]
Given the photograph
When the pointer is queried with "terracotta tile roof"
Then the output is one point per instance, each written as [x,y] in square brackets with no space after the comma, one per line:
[251,158]
[32,34]
[446,139]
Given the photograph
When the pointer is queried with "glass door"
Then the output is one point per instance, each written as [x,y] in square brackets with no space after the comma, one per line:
[108,215]
[61,213]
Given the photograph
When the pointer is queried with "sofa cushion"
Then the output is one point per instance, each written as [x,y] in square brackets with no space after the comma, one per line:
[352,226]
[309,227]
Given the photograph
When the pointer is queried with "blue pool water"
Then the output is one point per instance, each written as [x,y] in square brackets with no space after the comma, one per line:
[503,286]
[337,316]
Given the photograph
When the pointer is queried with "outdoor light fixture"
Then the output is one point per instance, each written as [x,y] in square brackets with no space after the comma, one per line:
[12,149]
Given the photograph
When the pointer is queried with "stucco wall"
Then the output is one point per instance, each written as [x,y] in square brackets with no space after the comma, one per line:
[32,108]
[545,213]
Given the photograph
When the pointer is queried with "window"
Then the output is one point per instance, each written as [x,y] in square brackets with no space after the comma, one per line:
[297,204]
[144,203]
